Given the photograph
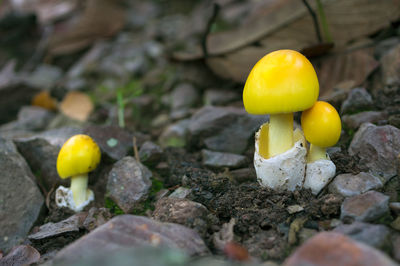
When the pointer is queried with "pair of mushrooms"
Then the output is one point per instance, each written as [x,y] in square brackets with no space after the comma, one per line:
[281,83]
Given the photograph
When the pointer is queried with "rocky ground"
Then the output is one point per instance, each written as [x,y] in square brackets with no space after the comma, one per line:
[176,183]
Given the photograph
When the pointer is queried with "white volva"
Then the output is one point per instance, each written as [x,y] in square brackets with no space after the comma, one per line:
[283,171]
[319,174]
[64,199]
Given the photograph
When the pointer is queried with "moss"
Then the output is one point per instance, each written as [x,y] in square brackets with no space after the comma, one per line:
[113,207]
[148,204]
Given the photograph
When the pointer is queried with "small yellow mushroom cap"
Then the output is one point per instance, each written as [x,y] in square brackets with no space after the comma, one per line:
[80,154]
[321,124]
[283,81]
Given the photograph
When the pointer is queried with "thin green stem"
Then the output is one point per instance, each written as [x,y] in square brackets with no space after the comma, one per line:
[324,23]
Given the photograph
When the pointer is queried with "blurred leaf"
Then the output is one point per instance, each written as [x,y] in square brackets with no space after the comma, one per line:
[76,105]
[44,100]
[101,19]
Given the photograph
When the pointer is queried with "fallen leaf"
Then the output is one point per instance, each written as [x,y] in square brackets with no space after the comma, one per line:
[351,67]
[101,19]
[236,252]
[286,24]
[77,105]
[44,100]
[20,256]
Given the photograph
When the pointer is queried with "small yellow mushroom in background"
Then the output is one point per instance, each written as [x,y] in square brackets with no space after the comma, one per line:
[322,127]
[78,156]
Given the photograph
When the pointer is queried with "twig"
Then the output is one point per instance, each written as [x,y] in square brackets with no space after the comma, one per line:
[314,19]
[135,150]
[324,23]
[210,22]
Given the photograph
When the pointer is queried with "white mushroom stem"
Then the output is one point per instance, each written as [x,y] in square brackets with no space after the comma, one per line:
[280,135]
[79,185]
[316,153]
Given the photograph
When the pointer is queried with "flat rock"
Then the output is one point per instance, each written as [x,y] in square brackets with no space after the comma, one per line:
[44,76]
[42,158]
[378,148]
[224,129]
[182,211]
[350,185]
[222,159]
[331,249]
[21,255]
[114,141]
[220,97]
[130,231]
[356,120]
[182,98]
[20,198]
[150,153]
[175,135]
[57,137]
[128,184]
[180,193]
[357,100]
[375,235]
[30,118]
[395,207]
[365,207]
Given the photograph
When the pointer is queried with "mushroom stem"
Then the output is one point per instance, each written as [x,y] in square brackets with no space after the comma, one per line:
[79,188]
[280,135]
[316,153]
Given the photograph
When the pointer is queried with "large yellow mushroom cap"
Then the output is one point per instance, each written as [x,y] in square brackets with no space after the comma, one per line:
[321,124]
[79,155]
[283,81]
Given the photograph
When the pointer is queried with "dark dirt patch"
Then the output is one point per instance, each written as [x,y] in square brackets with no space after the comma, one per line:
[345,163]
[261,214]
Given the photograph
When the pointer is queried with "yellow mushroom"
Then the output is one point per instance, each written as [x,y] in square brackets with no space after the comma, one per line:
[78,156]
[322,127]
[281,83]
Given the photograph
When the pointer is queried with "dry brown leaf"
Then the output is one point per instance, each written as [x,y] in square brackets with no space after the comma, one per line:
[77,105]
[286,24]
[44,100]
[101,19]
[351,67]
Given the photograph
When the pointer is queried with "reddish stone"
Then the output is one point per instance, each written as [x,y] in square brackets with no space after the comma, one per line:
[332,249]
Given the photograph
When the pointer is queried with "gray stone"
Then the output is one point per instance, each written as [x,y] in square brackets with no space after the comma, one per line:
[21,255]
[378,148]
[175,135]
[129,231]
[331,248]
[350,185]
[390,65]
[42,158]
[396,247]
[224,129]
[57,137]
[30,118]
[222,159]
[20,198]
[375,235]
[150,153]
[220,97]
[382,47]
[357,100]
[182,211]
[44,76]
[365,207]
[182,98]
[128,184]
[180,193]
[114,141]
[356,120]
